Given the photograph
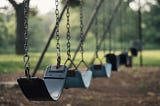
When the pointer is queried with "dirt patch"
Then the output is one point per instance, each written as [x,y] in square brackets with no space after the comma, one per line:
[128,87]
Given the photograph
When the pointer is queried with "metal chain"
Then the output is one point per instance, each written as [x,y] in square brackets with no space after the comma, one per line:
[96,35]
[109,30]
[81,28]
[68,32]
[121,28]
[81,36]
[57,35]
[26,38]
[69,37]
[104,23]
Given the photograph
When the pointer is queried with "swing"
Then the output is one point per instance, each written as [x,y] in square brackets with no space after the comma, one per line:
[134,51]
[113,60]
[36,89]
[99,70]
[108,66]
[75,78]
[123,58]
[51,86]
[111,57]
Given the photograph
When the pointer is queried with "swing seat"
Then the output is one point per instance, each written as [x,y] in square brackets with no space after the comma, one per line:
[54,79]
[47,89]
[129,62]
[113,60]
[134,51]
[76,79]
[123,58]
[34,89]
[108,67]
[99,70]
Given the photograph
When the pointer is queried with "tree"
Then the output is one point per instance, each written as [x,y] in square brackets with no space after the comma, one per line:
[151,27]
[158,2]
[3,31]
[19,9]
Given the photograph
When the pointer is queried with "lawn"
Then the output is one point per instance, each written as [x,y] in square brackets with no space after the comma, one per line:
[11,63]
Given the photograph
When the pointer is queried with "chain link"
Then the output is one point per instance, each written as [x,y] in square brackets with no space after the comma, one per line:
[111,45]
[96,35]
[81,28]
[68,32]
[104,23]
[57,35]
[26,38]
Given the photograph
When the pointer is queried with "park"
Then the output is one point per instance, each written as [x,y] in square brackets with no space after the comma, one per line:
[79,53]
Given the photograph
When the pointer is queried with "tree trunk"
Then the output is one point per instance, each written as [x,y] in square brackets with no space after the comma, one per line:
[19,43]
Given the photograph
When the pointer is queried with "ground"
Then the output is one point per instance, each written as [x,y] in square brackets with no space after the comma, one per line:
[128,87]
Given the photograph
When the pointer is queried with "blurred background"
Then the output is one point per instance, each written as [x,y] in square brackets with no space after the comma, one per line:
[137,85]
[42,21]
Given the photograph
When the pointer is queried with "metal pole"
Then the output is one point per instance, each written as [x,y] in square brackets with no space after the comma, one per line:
[94,13]
[48,43]
[140,34]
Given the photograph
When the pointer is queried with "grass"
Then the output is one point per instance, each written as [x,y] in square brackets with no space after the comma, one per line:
[11,63]
[150,58]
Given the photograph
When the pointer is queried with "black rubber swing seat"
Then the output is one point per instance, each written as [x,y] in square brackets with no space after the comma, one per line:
[113,60]
[34,89]
[46,89]
[123,58]
[100,70]
[134,51]
[77,79]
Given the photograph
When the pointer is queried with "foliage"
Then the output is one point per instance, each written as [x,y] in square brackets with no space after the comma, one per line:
[151,25]
[39,30]
[6,33]
[40,27]
[3,30]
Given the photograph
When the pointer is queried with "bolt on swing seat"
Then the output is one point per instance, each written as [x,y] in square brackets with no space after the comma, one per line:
[77,79]
[134,51]
[113,60]
[100,70]
[46,89]
[123,58]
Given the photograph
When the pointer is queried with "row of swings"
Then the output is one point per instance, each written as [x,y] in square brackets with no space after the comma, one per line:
[57,77]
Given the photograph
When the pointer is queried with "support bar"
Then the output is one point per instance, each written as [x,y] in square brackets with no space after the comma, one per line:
[140,34]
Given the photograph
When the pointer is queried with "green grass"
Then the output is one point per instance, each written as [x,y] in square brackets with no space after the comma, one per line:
[11,63]
[150,58]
